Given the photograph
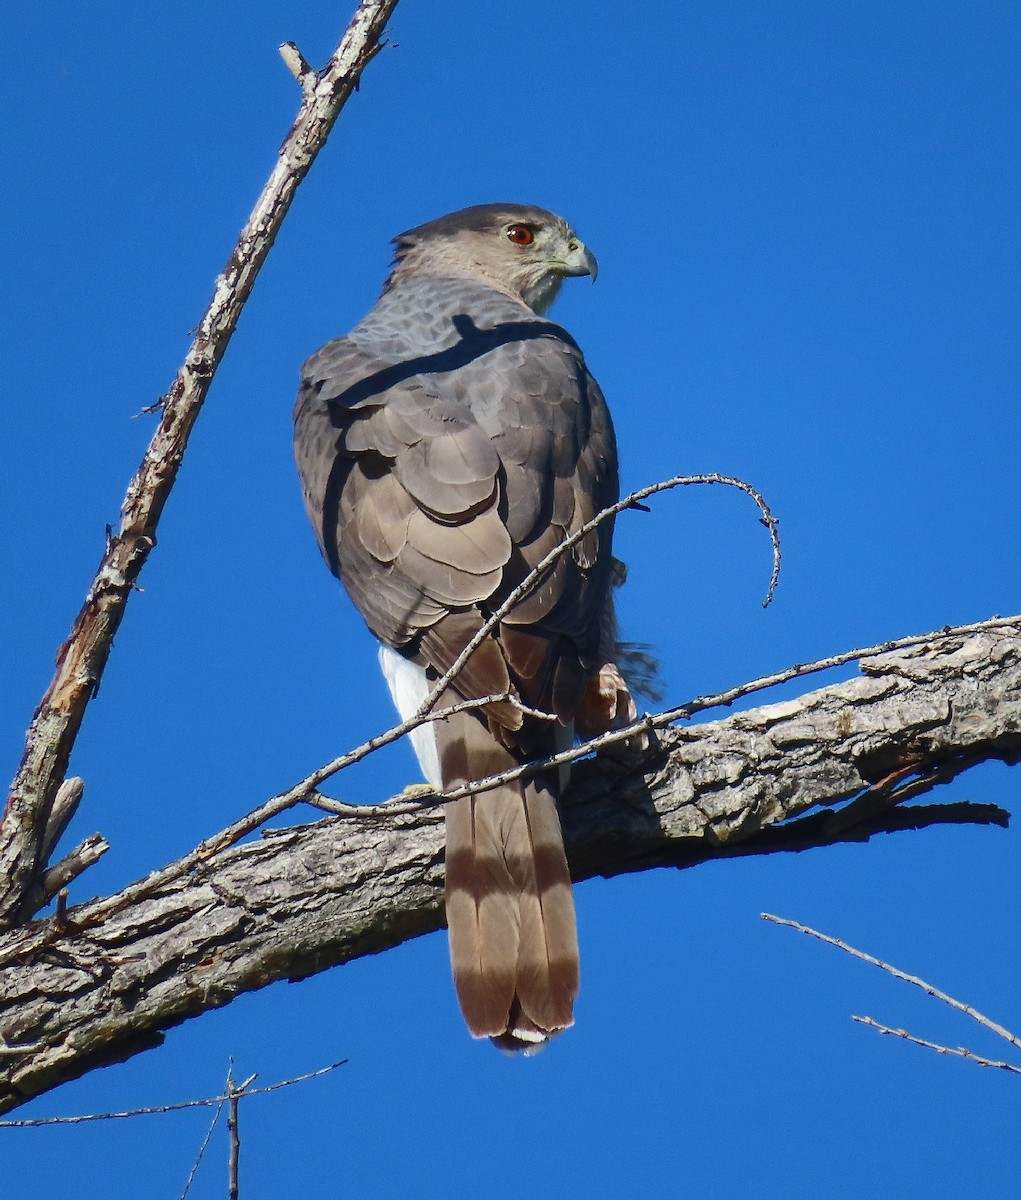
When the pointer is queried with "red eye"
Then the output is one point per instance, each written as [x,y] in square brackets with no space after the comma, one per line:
[521,235]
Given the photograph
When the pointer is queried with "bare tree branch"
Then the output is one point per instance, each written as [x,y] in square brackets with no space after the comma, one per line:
[956,1051]
[202,1150]
[160,1109]
[82,658]
[307,898]
[914,980]
[928,988]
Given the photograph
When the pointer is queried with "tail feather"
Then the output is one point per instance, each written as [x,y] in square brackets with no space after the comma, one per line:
[510,911]
[547,971]
[482,918]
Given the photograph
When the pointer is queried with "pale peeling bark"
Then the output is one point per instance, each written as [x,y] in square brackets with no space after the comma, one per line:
[103,981]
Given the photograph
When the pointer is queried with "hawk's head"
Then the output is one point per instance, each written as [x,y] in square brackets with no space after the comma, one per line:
[519,248]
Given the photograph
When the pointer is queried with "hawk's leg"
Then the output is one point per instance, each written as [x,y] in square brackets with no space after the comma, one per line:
[607,704]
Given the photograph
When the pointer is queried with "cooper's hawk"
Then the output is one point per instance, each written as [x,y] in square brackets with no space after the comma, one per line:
[445,446]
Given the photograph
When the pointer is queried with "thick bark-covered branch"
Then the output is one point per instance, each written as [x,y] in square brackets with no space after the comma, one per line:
[82,658]
[103,981]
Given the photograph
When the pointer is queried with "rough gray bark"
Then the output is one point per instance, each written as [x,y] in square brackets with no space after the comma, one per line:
[101,982]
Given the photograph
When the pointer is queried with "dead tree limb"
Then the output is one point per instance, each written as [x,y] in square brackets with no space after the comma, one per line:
[308,898]
[82,658]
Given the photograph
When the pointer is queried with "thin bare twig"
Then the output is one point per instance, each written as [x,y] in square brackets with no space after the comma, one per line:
[99,910]
[202,1149]
[956,1051]
[915,981]
[928,988]
[424,713]
[899,786]
[82,658]
[37,1122]
[726,698]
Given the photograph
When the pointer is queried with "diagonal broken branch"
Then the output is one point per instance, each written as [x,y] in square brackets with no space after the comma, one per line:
[82,658]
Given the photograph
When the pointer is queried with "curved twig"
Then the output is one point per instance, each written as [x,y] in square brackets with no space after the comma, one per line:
[630,501]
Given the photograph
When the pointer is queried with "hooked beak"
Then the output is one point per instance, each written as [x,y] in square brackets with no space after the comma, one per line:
[580,260]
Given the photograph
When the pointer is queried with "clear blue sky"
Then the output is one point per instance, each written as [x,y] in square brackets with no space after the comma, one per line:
[806,218]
